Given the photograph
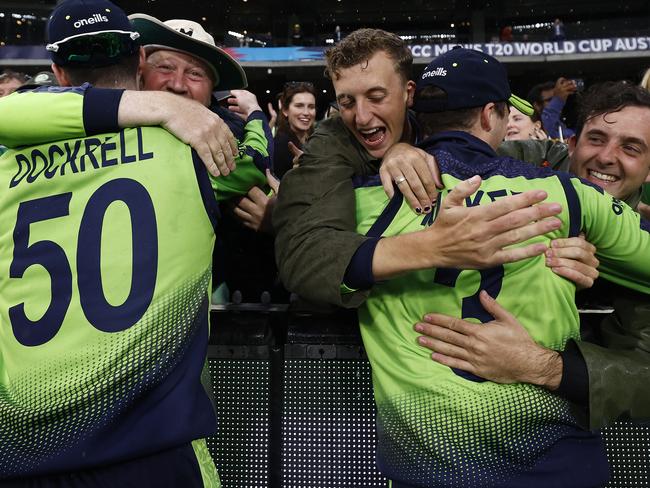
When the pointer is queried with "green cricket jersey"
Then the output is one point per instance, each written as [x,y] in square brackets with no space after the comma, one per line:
[104,293]
[439,427]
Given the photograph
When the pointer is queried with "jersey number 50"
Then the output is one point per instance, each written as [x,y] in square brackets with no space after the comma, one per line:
[101,314]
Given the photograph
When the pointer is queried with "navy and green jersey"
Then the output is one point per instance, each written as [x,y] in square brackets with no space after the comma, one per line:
[106,246]
[57,113]
[438,427]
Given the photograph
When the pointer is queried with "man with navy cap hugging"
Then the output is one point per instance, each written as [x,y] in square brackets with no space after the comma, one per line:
[104,292]
[443,427]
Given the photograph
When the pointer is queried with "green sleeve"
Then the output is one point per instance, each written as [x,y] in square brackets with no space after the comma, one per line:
[616,231]
[619,369]
[55,113]
[258,140]
[240,181]
[315,220]
[33,117]
[545,153]
[253,160]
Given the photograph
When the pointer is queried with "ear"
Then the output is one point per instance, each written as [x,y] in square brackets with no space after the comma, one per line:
[60,75]
[410,93]
[572,141]
[487,112]
[143,59]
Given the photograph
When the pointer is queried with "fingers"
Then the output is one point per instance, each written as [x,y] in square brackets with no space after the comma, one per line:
[435,321]
[295,150]
[435,172]
[241,213]
[411,168]
[386,181]
[256,196]
[574,248]
[454,363]
[234,150]
[463,190]
[442,347]
[218,158]
[413,189]
[517,254]
[273,182]
[582,278]
[205,154]
[507,205]
[574,259]
[493,308]
[522,225]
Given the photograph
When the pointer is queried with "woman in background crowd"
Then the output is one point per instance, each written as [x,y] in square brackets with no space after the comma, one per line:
[295,123]
[522,127]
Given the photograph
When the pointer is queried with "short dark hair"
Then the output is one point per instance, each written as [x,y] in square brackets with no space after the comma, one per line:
[535,93]
[361,45]
[120,74]
[462,119]
[609,97]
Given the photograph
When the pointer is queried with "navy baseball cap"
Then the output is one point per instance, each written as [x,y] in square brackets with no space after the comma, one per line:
[470,79]
[89,33]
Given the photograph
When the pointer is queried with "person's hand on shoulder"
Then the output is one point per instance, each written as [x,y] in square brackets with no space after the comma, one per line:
[189,120]
[415,173]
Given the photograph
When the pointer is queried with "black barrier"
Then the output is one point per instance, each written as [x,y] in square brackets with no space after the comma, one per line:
[294,399]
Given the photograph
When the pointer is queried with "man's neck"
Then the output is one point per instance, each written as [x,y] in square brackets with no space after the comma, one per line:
[408,133]
[117,84]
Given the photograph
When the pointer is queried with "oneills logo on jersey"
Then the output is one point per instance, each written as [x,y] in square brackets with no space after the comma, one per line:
[439,71]
[95,19]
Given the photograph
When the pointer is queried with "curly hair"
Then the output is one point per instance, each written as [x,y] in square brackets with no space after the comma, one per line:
[361,45]
[609,97]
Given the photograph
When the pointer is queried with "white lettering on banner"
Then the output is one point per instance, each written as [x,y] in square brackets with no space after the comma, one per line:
[441,49]
[500,49]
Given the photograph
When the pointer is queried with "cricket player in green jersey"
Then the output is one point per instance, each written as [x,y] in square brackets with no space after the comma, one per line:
[440,427]
[104,289]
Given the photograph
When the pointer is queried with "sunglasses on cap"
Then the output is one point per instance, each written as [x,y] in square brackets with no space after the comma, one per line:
[101,48]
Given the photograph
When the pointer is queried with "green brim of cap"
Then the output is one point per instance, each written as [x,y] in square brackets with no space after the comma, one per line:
[229,74]
[522,105]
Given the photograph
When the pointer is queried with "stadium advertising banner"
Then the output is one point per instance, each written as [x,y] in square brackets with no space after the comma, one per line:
[271,55]
[506,49]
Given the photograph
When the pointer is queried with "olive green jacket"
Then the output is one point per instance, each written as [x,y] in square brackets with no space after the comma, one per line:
[315,223]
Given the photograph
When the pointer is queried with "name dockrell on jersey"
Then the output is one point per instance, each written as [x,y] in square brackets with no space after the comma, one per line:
[78,156]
